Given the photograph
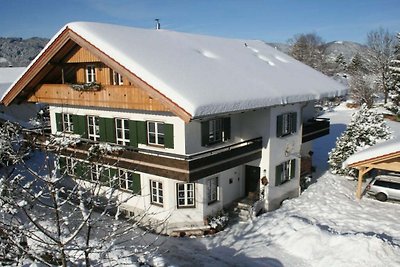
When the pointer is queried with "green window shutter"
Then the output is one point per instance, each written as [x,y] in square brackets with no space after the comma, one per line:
[279,124]
[62,162]
[227,128]
[278,174]
[81,170]
[107,130]
[169,135]
[293,122]
[133,136]
[136,186]
[292,168]
[205,131]
[59,123]
[80,125]
[104,175]
[141,132]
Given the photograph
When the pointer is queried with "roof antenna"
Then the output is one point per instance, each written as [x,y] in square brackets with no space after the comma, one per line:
[158,25]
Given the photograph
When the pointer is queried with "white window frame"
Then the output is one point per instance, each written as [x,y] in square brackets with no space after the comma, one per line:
[212,190]
[93,127]
[70,166]
[95,172]
[216,131]
[185,195]
[90,72]
[122,138]
[158,134]
[117,78]
[287,124]
[67,123]
[287,174]
[156,192]
[125,180]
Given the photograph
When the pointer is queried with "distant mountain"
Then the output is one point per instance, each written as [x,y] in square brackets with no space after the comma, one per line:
[20,52]
[346,48]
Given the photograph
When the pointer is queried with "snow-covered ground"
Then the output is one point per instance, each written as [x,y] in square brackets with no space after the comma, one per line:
[325,226]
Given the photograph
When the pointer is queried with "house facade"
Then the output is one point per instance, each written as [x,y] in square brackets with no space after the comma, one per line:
[200,122]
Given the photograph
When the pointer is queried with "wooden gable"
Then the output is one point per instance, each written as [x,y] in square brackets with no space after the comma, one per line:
[44,82]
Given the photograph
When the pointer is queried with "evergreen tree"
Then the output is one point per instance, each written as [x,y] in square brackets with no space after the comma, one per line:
[394,91]
[356,65]
[341,63]
[365,129]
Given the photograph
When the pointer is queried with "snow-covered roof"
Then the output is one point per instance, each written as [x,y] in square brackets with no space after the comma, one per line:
[207,75]
[381,149]
[8,76]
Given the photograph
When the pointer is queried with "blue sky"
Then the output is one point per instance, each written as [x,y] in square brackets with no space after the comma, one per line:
[269,20]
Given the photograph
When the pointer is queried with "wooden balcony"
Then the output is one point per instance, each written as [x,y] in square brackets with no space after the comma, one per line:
[110,96]
[186,168]
[315,128]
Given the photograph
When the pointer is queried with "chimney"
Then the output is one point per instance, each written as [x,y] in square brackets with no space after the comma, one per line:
[158,25]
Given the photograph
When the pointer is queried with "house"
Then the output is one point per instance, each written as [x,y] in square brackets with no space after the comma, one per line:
[205,121]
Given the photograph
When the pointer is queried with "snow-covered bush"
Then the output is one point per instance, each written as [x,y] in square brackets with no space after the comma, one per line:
[218,221]
[365,129]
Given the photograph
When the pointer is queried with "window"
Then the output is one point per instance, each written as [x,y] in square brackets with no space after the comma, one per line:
[68,126]
[156,192]
[125,180]
[122,131]
[117,78]
[90,74]
[95,172]
[212,190]
[155,133]
[215,131]
[70,166]
[185,194]
[285,172]
[286,124]
[93,128]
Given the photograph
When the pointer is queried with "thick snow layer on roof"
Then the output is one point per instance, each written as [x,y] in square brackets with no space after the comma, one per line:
[208,75]
[8,76]
[380,149]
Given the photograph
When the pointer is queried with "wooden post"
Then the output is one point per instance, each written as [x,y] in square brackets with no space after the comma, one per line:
[362,171]
[359,184]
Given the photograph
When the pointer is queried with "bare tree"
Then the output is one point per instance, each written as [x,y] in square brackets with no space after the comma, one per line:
[308,48]
[48,216]
[381,44]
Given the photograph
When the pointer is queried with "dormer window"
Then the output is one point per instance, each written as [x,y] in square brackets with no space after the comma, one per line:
[117,78]
[90,74]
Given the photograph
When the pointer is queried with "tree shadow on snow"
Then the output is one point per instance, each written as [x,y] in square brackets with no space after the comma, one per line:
[322,146]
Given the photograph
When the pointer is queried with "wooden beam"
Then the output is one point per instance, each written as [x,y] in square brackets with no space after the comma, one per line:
[361,172]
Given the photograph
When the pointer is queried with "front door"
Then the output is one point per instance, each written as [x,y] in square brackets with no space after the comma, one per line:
[252,184]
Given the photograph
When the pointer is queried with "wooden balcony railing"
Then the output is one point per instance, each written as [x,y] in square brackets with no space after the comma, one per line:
[315,128]
[180,167]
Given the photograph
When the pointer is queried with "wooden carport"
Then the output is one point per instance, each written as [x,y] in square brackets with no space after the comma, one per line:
[384,156]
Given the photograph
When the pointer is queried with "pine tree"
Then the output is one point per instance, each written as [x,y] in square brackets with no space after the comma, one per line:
[341,63]
[394,91]
[365,129]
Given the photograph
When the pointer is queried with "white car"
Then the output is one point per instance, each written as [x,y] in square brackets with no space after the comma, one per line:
[385,187]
